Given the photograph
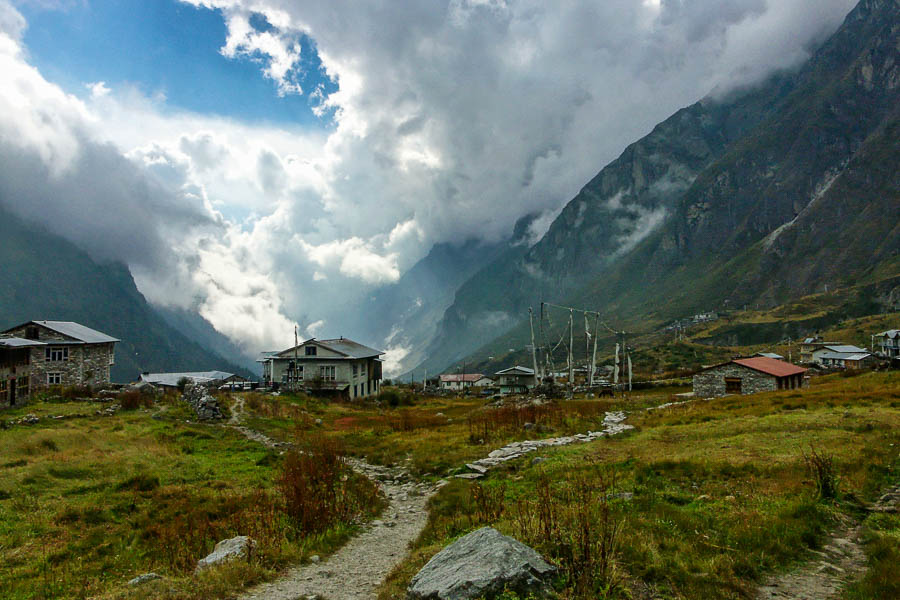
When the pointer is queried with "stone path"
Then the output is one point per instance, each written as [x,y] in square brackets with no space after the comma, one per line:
[356,570]
[612,425]
[841,561]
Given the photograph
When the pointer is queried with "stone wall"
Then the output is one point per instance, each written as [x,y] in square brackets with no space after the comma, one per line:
[711,382]
[87,364]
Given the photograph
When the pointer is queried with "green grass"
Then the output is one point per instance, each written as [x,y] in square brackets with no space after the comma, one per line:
[88,503]
[721,495]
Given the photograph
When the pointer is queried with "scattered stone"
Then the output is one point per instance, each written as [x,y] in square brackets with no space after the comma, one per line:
[318,421]
[482,564]
[529,426]
[141,579]
[621,496]
[29,419]
[241,546]
[314,559]
[538,460]
[206,407]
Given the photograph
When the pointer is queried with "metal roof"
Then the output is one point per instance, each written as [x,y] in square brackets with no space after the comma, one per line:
[844,348]
[15,342]
[172,379]
[521,371]
[345,346]
[770,366]
[770,355]
[460,377]
[890,333]
[845,355]
[75,330]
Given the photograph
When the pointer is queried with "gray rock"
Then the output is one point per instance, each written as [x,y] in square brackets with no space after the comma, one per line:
[144,578]
[241,546]
[482,564]
[206,407]
[314,559]
[538,460]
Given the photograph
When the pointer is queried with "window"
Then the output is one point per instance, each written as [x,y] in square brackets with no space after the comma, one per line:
[355,370]
[54,378]
[56,354]
[355,391]
[327,372]
[31,333]
[311,350]
[732,385]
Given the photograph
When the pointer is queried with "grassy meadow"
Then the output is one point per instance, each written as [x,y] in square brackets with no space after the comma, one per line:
[89,502]
[700,501]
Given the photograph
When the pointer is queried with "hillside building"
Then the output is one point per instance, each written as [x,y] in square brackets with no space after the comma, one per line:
[887,343]
[748,376]
[339,366]
[69,353]
[515,380]
[836,355]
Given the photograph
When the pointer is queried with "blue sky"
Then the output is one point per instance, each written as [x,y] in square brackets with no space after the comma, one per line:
[164,46]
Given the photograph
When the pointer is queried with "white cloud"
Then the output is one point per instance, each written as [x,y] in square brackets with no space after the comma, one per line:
[451,121]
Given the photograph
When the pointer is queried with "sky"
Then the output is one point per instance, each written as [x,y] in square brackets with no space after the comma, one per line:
[272,162]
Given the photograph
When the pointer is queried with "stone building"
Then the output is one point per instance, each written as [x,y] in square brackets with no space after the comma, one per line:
[339,365]
[460,381]
[748,376]
[15,370]
[69,353]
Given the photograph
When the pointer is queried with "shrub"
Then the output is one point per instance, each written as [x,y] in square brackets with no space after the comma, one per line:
[319,489]
[132,400]
[182,383]
[820,466]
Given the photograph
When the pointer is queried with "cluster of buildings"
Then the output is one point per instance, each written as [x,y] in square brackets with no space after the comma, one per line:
[514,380]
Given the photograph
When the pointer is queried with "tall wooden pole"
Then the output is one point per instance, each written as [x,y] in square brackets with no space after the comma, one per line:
[538,378]
[571,344]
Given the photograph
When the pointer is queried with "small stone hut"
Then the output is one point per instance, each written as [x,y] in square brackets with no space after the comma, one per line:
[748,376]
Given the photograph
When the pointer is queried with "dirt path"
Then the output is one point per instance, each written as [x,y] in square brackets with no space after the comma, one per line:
[356,570]
[841,561]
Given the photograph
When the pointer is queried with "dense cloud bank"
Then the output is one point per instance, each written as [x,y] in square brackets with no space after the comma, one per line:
[451,121]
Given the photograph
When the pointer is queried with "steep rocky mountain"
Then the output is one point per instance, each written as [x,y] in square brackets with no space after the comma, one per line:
[47,277]
[756,198]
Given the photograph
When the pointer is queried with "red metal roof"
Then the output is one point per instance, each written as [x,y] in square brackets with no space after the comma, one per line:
[770,366]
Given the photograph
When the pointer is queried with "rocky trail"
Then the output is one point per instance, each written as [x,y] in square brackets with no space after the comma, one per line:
[840,561]
[356,570]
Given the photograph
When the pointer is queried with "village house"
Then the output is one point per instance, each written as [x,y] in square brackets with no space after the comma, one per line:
[69,353]
[339,365]
[515,380]
[211,378]
[837,355]
[15,370]
[748,376]
[887,343]
[457,381]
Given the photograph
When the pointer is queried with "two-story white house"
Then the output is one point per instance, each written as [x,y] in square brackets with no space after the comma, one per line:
[887,343]
[339,365]
[515,380]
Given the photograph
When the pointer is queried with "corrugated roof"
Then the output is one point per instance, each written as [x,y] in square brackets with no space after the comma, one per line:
[844,348]
[461,377]
[172,379]
[844,355]
[15,342]
[770,355]
[890,333]
[770,366]
[521,371]
[77,331]
[345,346]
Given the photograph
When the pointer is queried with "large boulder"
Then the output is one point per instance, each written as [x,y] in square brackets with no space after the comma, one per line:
[483,563]
[241,546]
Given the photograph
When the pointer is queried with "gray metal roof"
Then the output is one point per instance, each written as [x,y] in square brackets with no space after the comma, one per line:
[77,331]
[518,371]
[890,333]
[172,379]
[770,355]
[845,355]
[15,342]
[345,346]
[844,348]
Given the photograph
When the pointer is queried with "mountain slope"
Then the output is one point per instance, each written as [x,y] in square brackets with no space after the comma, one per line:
[805,198]
[47,277]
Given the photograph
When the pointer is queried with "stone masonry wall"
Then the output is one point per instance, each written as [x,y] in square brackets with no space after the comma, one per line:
[88,364]
[711,383]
